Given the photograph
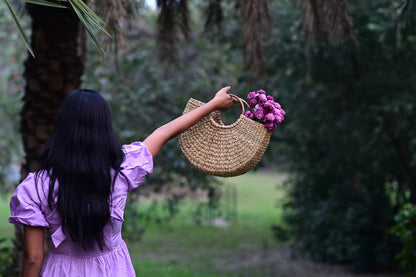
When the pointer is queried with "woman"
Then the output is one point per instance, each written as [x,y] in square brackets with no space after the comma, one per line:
[80,193]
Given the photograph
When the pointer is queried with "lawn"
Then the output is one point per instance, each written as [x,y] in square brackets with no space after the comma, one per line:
[6,229]
[183,248]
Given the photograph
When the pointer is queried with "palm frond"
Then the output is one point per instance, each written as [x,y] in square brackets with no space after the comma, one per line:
[214,15]
[173,14]
[89,19]
[45,3]
[116,14]
[256,19]
[19,27]
[327,21]
[89,16]
[167,29]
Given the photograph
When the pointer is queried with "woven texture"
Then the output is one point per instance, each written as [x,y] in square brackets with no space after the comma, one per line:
[223,150]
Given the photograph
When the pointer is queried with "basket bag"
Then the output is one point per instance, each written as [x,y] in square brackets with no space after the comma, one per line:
[223,150]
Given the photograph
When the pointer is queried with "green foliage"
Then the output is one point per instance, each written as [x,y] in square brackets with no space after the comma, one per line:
[8,259]
[10,143]
[211,209]
[10,101]
[19,26]
[405,230]
[350,133]
[138,216]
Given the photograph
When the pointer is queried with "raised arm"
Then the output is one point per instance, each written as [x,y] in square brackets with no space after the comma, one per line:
[222,101]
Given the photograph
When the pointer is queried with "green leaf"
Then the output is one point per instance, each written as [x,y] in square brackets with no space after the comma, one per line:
[45,3]
[20,28]
[89,19]
[88,12]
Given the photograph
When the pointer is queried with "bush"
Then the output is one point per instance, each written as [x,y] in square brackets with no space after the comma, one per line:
[405,230]
[8,259]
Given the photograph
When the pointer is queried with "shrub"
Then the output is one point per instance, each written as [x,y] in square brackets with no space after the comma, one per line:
[405,230]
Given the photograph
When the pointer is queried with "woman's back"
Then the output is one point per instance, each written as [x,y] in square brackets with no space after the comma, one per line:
[79,195]
[29,206]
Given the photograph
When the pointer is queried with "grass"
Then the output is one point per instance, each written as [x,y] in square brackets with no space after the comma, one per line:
[182,248]
[6,229]
[259,196]
[147,268]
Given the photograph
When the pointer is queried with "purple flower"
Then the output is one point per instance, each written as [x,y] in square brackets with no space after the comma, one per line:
[251,95]
[262,98]
[279,118]
[259,114]
[276,111]
[264,109]
[270,126]
[249,114]
[277,105]
[270,117]
[259,108]
[268,106]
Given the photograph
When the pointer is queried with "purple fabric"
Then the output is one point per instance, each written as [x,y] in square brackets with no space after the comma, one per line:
[29,206]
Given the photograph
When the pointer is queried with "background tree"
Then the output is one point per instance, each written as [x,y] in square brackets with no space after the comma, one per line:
[350,133]
[58,44]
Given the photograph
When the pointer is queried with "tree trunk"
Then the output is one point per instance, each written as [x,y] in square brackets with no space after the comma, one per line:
[56,70]
[58,42]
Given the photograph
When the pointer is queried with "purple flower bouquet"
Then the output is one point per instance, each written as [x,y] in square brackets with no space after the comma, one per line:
[264,109]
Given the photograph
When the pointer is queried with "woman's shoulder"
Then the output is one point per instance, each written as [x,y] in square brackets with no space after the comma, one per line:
[35,185]
[29,199]
[134,147]
[138,162]
[136,154]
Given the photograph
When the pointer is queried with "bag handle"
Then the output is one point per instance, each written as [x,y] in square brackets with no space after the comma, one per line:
[242,102]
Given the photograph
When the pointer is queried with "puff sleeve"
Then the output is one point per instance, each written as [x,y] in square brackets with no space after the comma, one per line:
[26,204]
[137,164]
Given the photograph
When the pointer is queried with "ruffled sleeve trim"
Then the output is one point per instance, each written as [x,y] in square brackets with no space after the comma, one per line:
[26,204]
[137,164]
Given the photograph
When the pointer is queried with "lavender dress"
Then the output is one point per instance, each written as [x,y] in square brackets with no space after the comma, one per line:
[29,206]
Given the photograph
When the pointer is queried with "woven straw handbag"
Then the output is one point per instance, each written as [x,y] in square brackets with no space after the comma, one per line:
[223,150]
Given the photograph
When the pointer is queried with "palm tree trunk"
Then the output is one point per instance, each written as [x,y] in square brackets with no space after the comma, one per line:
[58,42]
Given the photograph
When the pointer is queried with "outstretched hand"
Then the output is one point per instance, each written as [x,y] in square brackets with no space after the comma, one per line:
[223,101]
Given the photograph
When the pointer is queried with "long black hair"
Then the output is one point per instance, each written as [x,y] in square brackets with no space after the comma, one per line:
[80,154]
